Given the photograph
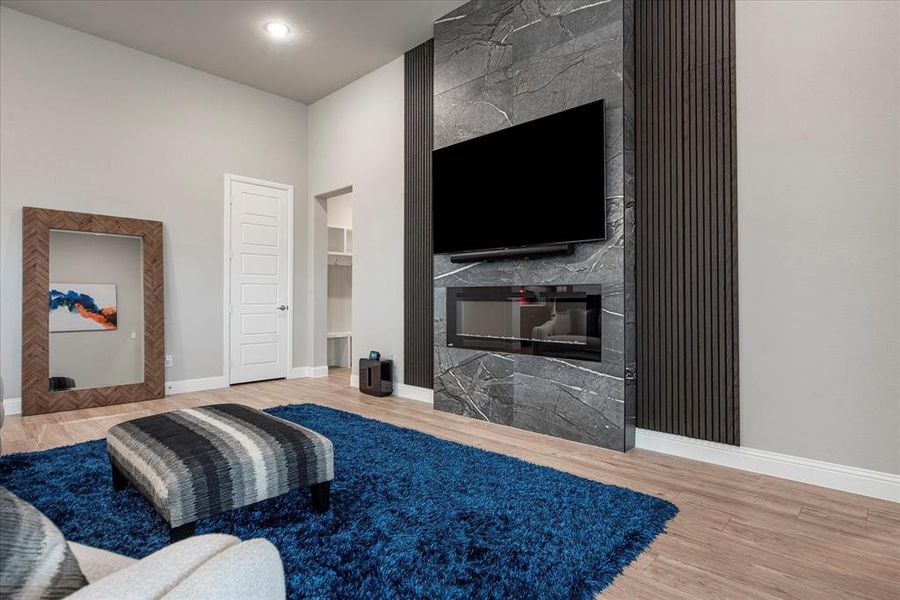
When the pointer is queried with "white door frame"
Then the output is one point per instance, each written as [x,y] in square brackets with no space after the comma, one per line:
[226,268]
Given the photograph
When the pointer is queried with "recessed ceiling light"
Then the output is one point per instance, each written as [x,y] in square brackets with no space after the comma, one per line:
[276,29]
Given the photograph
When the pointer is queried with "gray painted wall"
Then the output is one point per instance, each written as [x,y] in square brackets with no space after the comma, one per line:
[356,139]
[100,358]
[502,63]
[818,86]
[88,125]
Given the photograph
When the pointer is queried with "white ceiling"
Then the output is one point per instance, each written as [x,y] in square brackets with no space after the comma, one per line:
[332,42]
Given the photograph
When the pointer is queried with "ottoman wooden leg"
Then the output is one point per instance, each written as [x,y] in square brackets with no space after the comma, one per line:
[176,534]
[118,479]
[321,493]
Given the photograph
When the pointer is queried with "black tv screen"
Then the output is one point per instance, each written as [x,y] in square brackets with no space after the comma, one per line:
[540,182]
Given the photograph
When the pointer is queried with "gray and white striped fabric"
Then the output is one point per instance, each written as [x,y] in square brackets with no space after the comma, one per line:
[35,559]
[196,462]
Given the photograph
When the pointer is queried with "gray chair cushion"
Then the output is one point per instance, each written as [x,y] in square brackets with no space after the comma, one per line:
[36,560]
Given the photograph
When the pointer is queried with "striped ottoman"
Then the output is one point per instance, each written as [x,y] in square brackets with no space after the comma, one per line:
[197,462]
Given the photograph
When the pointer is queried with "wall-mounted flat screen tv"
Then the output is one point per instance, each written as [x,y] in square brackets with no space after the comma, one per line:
[536,183]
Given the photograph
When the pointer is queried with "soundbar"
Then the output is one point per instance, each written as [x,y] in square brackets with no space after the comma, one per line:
[505,253]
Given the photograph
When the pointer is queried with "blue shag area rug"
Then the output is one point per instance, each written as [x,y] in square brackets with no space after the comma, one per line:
[411,516]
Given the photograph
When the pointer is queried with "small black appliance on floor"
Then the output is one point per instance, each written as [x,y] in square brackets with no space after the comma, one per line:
[376,377]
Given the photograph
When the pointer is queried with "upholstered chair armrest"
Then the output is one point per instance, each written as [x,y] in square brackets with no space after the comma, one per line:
[153,576]
[251,570]
[95,564]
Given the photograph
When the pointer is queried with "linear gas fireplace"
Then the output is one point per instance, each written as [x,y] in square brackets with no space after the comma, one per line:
[545,320]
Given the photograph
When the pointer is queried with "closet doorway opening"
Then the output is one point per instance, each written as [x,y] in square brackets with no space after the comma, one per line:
[339,314]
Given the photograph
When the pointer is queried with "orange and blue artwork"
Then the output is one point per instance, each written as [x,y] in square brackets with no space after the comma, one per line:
[82,306]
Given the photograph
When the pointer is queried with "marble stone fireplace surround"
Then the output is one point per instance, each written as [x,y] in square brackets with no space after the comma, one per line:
[498,63]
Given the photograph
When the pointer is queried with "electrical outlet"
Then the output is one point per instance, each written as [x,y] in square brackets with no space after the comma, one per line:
[168,360]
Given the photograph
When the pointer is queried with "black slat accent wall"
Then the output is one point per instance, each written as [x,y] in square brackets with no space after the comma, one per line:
[417,253]
[686,206]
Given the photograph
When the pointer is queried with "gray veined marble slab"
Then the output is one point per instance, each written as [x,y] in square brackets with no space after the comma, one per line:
[483,37]
[568,398]
[483,105]
[499,63]
[471,43]
[476,384]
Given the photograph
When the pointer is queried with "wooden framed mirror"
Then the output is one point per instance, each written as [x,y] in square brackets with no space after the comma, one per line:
[92,310]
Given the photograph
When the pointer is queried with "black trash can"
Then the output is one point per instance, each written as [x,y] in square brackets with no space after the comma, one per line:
[376,377]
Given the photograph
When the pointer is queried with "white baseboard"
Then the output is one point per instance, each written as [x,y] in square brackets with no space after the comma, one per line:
[301,372]
[402,390]
[830,475]
[12,406]
[318,371]
[414,392]
[195,385]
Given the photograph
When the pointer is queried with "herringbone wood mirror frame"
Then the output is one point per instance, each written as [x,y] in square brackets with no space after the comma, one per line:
[36,226]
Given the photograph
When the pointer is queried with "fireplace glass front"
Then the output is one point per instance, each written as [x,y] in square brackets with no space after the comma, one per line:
[546,320]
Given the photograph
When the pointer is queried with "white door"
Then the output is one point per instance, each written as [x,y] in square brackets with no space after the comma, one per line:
[260,294]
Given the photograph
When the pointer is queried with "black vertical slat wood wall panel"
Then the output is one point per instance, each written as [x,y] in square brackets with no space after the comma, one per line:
[417,251]
[686,198]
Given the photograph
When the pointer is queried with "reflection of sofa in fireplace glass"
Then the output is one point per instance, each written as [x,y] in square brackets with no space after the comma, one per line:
[573,326]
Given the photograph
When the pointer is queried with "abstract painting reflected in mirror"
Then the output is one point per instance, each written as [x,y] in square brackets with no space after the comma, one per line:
[96,327]
[82,306]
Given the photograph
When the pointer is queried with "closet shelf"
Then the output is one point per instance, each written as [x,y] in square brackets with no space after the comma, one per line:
[340,240]
[342,259]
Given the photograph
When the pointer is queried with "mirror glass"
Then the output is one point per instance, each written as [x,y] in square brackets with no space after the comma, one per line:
[96,303]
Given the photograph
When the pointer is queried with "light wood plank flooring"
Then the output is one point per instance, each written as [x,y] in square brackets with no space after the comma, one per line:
[737,535]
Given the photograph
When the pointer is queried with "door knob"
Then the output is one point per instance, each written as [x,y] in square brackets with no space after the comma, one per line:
[282,307]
